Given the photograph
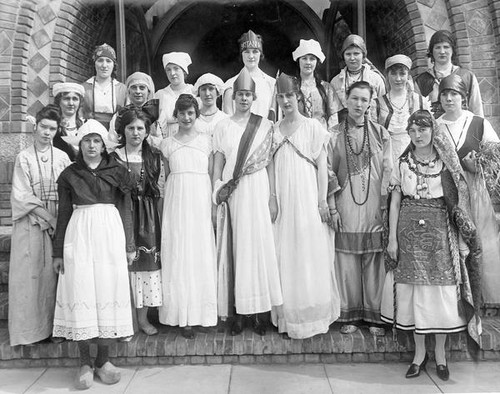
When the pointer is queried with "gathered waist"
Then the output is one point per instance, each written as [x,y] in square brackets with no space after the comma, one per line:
[87,206]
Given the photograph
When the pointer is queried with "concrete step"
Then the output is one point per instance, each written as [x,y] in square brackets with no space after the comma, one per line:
[217,346]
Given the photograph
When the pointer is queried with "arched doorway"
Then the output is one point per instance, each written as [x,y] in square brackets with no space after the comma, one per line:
[209,32]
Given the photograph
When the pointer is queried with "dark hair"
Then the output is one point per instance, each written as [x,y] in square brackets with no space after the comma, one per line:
[422,118]
[359,85]
[151,164]
[184,102]
[319,86]
[57,101]
[439,37]
[396,67]
[51,112]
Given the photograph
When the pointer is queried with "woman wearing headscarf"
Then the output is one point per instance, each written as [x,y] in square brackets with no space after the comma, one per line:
[208,87]
[68,96]
[358,68]
[94,239]
[431,284]
[176,67]
[32,282]
[251,54]
[466,132]
[104,95]
[393,109]
[317,95]
[444,58]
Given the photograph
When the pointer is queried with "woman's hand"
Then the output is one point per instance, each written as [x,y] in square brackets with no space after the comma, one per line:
[273,207]
[335,220]
[392,249]
[58,264]
[469,161]
[324,212]
[131,257]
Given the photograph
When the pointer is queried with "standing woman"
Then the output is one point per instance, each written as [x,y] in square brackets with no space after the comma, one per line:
[143,163]
[93,242]
[443,54]
[429,221]
[304,245]
[317,95]
[358,68]
[189,267]
[32,282]
[466,132]
[251,54]
[208,87]
[176,67]
[104,95]
[393,109]
[68,96]
[140,93]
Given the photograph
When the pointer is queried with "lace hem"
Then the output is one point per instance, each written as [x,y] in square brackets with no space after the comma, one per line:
[81,334]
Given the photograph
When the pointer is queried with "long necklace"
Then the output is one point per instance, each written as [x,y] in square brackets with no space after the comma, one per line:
[394,104]
[45,195]
[141,174]
[422,170]
[352,157]
[456,142]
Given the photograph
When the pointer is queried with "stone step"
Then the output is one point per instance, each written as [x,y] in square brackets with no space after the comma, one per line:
[216,346]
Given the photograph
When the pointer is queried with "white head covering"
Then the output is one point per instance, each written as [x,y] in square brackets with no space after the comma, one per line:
[182,59]
[398,59]
[209,79]
[142,79]
[309,47]
[91,126]
[67,87]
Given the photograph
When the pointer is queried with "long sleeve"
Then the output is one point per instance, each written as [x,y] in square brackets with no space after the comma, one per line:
[65,212]
[23,199]
[124,206]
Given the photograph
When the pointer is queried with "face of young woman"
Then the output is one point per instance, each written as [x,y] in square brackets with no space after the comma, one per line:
[358,103]
[353,58]
[288,102]
[208,95]
[175,74]
[44,132]
[138,93]
[398,78]
[92,147]
[186,118]
[135,132]
[70,102]
[104,67]
[243,100]
[421,136]
[307,64]
[451,101]
[251,58]
[442,53]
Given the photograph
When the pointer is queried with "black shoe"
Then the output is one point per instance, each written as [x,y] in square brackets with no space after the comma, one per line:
[443,372]
[259,326]
[237,326]
[188,333]
[415,369]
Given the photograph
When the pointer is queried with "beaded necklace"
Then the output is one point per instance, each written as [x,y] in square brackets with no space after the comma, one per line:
[421,170]
[348,73]
[352,156]
[45,195]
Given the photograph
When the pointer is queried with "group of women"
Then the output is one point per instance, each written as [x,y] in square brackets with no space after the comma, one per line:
[120,173]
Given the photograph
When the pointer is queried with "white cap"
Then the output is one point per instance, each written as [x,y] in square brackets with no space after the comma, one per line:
[209,79]
[91,126]
[182,59]
[67,87]
[307,47]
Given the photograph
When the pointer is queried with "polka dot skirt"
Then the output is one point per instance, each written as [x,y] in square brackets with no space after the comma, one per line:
[146,287]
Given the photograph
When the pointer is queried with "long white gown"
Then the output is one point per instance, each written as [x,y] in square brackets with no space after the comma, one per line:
[188,243]
[256,279]
[304,244]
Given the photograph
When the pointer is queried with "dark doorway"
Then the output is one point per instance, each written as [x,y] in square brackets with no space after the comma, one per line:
[209,32]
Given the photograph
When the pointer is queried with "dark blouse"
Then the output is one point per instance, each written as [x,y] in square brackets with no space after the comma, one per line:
[109,183]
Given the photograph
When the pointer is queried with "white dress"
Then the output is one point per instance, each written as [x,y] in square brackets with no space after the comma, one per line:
[167,121]
[304,244]
[206,124]
[188,244]
[256,279]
